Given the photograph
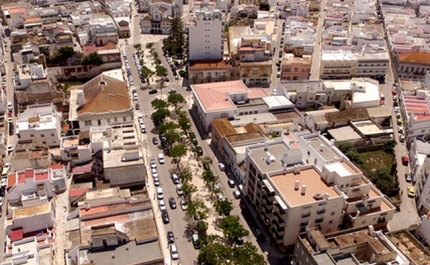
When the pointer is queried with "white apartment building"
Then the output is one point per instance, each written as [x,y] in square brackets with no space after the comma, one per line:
[35,186]
[416,115]
[422,186]
[40,124]
[310,185]
[26,73]
[205,36]
[299,34]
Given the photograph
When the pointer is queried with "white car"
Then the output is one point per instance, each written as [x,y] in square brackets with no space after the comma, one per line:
[3,182]
[156,181]
[174,252]
[135,96]
[154,172]
[140,117]
[9,106]
[153,163]
[236,194]
[10,148]
[6,165]
[162,205]
[161,158]
[179,190]
[172,91]
[221,166]
[184,205]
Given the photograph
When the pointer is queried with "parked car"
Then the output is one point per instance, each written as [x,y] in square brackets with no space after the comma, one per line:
[411,191]
[156,181]
[184,205]
[162,205]
[196,241]
[401,138]
[174,252]
[405,160]
[154,172]
[154,140]
[170,237]
[408,177]
[199,150]
[153,163]
[172,203]
[231,183]
[193,138]
[175,179]
[257,232]
[206,166]
[137,106]
[221,166]
[161,158]
[152,91]
[165,217]
[238,241]
[179,190]
[172,91]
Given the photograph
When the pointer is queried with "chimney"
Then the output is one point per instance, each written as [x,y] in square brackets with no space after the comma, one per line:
[296,169]
[81,98]
[303,192]
[297,185]
[284,158]
[321,147]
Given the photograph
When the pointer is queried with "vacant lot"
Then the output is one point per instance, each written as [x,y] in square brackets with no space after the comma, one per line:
[373,160]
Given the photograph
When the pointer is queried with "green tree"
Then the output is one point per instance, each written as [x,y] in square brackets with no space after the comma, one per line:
[384,181]
[209,178]
[206,159]
[146,73]
[188,189]
[175,100]
[149,45]
[160,114]
[172,137]
[389,146]
[92,59]
[174,44]
[160,71]
[197,209]
[185,176]
[351,152]
[177,152]
[185,124]
[163,128]
[159,104]
[223,207]
[232,228]
[217,253]
[137,46]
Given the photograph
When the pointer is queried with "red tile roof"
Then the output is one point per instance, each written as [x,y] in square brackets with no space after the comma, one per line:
[415,57]
[56,166]
[42,175]
[77,192]
[82,169]
[11,179]
[29,173]
[21,177]
[16,234]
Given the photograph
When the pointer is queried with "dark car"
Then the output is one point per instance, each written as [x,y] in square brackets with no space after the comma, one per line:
[134,91]
[257,232]
[163,143]
[408,177]
[193,138]
[231,183]
[137,106]
[162,137]
[170,237]
[165,217]
[152,91]
[172,203]
[199,150]
[238,241]
[206,166]
[154,140]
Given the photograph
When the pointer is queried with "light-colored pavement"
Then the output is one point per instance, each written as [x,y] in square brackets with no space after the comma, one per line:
[316,55]
[61,210]
[407,216]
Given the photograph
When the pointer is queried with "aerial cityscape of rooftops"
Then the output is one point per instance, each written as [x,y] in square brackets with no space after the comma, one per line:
[213,132]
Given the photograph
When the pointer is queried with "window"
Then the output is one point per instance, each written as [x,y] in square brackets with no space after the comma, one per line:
[332,213]
[43,142]
[316,161]
[124,118]
[115,119]
[309,153]
[52,134]
[42,135]
[108,120]
[88,123]
[31,135]
[330,222]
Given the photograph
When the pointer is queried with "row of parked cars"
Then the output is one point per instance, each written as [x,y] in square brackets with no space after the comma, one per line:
[127,68]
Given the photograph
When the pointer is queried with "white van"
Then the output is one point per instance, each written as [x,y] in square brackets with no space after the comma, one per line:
[161,158]
[160,195]
[174,252]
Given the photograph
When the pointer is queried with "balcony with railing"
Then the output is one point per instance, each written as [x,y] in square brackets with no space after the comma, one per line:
[307,214]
